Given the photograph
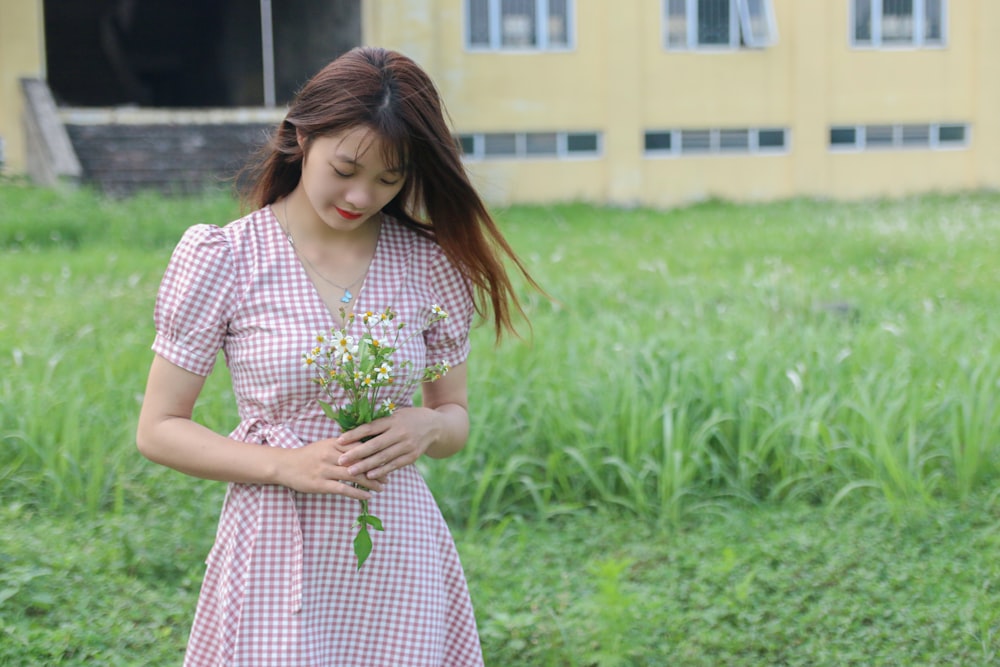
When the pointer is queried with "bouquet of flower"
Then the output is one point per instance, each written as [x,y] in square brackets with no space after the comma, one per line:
[363,368]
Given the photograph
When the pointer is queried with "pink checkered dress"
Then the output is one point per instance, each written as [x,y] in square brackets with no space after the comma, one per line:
[282,586]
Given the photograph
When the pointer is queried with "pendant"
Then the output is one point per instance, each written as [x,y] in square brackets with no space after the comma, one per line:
[347,296]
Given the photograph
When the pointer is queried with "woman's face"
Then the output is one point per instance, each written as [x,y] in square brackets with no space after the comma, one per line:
[345,178]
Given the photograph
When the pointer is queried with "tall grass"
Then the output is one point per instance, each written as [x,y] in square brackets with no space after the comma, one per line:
[793,352]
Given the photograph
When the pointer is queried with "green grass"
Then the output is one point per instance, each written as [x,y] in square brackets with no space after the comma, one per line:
[775,586]
[756,434]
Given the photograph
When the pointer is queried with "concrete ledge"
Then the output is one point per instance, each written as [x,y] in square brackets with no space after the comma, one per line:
[51,158]
[162,116]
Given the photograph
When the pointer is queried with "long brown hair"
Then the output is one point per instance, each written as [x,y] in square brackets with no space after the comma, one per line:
[389,93]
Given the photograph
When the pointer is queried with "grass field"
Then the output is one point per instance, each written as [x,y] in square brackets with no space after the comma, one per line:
[736,435]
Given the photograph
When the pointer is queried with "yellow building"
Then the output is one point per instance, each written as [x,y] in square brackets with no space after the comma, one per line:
[661,102]
[22,54]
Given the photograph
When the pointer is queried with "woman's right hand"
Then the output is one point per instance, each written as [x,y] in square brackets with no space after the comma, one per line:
[167,435]
[313,468]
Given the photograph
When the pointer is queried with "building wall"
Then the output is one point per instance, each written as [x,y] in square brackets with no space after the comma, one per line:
[987,92]
[22,54]
[620,80]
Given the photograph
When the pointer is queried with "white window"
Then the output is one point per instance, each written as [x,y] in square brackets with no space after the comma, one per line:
[519,25]
[719,24]
[517,145]
[895,137]
[906,23]
[715,141]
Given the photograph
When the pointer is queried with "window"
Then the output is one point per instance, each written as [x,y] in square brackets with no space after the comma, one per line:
[951,135]
[658,142]
[719,24]
[518,25]
[696,141]
[734,141]
[841,137]
[541,143]
[879,136]
[581,143]
[514,145]
[500,144]
[915,135]
[895,137]
[889,23]
[770,139]
[715,141]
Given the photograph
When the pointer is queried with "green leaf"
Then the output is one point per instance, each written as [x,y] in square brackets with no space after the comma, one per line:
[365,412]
[346,418]
[372,521]
[362,545]
[328,410]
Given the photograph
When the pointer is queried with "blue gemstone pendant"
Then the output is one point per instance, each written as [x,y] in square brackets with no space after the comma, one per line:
[347,296]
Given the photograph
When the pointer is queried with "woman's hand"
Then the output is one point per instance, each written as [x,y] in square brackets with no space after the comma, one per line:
[314,468]
[374,450]
[167,435]
[438,429]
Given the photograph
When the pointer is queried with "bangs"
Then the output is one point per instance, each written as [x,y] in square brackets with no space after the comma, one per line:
[395,142]
[393,151]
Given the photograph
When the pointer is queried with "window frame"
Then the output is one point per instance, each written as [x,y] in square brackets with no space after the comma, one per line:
[741,22]
[714,146]
[494,28]
[562,148]
[898,142]
[876,41]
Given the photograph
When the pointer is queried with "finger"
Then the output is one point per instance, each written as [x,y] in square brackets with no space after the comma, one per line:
[351,491]
[383,463]
[367,464]
[370,483]
[383,471]
[358,487]
[359,434]
[360,452]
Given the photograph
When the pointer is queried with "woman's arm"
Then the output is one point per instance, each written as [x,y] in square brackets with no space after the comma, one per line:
[438,429]
[167,435]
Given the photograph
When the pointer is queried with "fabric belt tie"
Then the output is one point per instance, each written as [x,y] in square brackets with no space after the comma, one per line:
[259,432]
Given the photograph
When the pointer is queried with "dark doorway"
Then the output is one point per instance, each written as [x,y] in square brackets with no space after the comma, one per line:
[188,53]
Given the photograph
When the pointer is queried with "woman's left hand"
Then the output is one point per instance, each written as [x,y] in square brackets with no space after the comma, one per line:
[393,442]
[438,429]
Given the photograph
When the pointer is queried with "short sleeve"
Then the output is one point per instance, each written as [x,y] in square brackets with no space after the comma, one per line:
[448,339]
[196,300]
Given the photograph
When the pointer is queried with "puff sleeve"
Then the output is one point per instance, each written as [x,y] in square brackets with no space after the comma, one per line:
[196,300]
[448,339]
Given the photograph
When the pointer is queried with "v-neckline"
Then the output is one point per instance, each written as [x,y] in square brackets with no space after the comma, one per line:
[291,256]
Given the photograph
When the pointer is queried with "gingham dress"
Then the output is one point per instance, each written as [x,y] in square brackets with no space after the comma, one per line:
[282,585]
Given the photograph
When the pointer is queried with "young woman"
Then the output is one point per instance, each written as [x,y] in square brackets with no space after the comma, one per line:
[362,203]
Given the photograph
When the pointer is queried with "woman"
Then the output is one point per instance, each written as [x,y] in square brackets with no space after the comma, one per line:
[361,203]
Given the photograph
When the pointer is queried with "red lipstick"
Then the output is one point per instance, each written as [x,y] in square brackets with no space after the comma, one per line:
[347,214]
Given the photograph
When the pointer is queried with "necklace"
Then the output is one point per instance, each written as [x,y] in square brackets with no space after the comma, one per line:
[287,228]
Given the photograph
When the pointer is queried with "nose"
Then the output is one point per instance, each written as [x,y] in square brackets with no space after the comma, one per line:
[359,195]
